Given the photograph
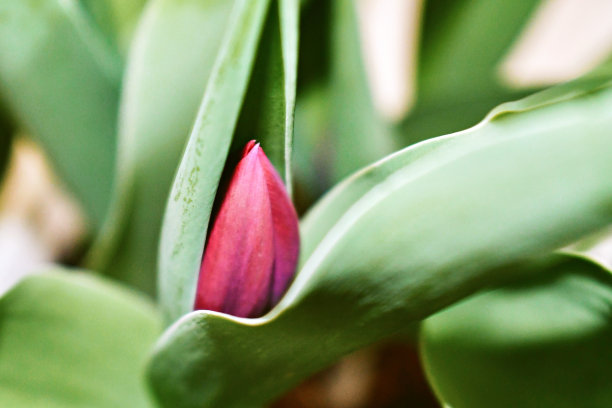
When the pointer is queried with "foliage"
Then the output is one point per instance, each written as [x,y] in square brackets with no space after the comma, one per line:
[418,226]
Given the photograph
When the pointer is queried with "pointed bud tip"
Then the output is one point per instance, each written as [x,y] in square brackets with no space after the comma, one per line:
[251,144]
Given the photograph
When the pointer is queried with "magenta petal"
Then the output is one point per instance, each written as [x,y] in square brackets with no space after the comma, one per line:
[286,231]
[253,247]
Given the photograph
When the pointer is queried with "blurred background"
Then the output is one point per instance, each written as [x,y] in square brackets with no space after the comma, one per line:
[40,222]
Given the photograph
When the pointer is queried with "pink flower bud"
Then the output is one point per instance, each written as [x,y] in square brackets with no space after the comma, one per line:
[253,248]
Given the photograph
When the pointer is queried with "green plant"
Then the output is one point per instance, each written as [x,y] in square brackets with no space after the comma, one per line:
[143,109]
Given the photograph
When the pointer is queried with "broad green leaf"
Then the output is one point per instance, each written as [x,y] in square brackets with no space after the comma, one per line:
[168,66]
[60,80]
[193,192]
[117,18]
[225,123]
[73,340]
[332,207]
[434,226]
[538,342]
[462,44]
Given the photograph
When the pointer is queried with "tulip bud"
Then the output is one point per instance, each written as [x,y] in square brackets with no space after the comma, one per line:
[253,248]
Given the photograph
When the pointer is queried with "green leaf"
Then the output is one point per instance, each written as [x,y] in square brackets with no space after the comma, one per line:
[73,340]
[61,81]
[538,342]
[462,44]
[117,18]
[168,66]
[289,14]
[409,235]
[265,115]
[330,209]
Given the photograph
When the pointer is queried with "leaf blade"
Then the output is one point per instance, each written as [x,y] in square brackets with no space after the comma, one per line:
[159,103]
[289,14]
[553,326]
[72,340]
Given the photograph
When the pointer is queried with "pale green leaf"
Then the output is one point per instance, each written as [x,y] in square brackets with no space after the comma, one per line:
[329,209]
[70,340]
[168,66]
[538,342]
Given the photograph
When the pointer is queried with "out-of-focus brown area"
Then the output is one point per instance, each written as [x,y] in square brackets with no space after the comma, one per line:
[32,192]
[384,376]
[40,222]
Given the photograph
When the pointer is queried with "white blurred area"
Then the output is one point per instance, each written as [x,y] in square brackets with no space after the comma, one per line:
[389,35]
[566,38]
[40,222]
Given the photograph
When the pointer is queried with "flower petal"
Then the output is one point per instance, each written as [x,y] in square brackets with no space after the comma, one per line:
[286,231]
[236,271]
[253,247]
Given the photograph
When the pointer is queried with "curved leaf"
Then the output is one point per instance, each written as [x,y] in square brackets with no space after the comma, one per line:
[331,207]
[266,115]
[61,81]
[539,342]
[432,228]
[168,67]
[73,340]
[289,15]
